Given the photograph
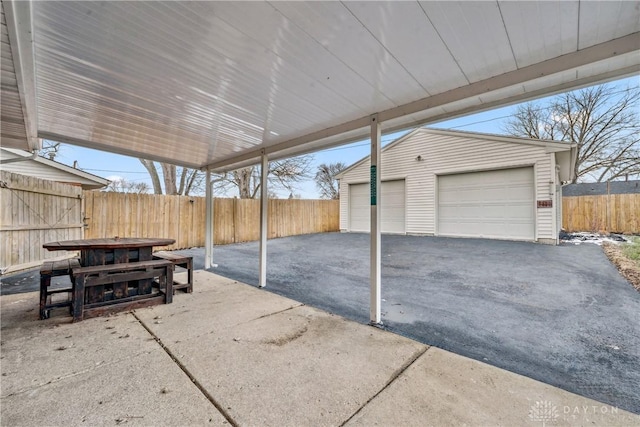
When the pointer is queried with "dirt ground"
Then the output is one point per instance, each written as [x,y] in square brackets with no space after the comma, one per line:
[629,269]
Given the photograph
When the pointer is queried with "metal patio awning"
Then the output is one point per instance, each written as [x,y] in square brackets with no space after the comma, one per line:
[218,83]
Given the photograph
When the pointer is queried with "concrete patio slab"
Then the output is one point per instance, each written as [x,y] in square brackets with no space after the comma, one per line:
[298,367]
[231,353]
[42,356]
[145,389]
[270,361]
[225,302]
[103,371]
[442,388]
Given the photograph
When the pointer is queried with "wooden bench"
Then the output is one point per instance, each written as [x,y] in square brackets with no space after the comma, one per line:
[183,261]
[51,269]
[102,289]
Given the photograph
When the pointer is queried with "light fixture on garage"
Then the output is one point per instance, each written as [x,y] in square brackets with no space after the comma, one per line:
[419,158]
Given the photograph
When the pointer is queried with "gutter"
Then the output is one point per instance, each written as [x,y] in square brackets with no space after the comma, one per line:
[33,156]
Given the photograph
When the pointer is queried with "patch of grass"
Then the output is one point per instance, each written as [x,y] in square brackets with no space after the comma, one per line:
[622,256]
[631,249]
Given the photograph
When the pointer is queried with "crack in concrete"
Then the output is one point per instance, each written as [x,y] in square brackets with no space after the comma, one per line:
[394,376]
[73,374]
[193,379]
[274,313]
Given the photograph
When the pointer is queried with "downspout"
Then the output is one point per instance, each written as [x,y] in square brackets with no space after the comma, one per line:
[572,162]
[558,202]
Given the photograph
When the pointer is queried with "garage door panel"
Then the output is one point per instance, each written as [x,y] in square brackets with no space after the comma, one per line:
[392,207]
[495,193]
[392,213]
[494,211]
[359,212]
[495,204]
[522,211]
[519,192]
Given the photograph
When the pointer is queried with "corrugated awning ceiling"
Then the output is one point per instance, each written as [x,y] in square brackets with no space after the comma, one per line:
[214,83]
[12,127]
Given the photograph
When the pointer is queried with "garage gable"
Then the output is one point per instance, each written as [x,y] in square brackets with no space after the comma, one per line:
[424,156]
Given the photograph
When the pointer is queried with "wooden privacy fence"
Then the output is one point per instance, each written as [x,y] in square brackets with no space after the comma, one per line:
[34,212]
[183,218]
[145,215]
[613,213]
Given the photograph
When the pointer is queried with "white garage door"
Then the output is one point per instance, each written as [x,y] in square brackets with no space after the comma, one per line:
[392,206]
[494,204]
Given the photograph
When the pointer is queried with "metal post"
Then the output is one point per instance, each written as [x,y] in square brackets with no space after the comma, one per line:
[264,207]
[376,259]
[208,234]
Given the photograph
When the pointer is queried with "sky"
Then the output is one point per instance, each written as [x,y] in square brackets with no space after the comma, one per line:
[114,166]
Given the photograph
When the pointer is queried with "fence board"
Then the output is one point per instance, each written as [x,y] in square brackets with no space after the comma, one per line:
[34,212]
[183,218]
[246,220]
[224,224]
[614,213]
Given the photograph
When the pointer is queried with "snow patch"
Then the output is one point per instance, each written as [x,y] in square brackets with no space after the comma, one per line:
[594,238]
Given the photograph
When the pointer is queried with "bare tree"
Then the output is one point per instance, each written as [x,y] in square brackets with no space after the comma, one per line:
[602,120]
[326,181]
[50,149]
[176,180]
[123,186]
[282,175]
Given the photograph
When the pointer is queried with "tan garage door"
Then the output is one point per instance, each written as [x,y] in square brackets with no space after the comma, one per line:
[495,204]
[392,206]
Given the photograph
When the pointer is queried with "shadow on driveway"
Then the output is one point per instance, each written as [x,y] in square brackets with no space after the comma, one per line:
[559,314]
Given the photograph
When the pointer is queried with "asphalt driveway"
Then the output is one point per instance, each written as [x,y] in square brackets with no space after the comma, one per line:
[558,314]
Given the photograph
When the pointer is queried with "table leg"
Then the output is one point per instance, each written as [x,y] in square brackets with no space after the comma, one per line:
[45,281]
[121,289]
[78,299]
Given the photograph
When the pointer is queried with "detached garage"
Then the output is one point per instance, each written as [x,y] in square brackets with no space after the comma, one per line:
[462,184]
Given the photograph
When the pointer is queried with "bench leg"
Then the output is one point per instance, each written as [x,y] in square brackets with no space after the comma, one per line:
[45,281]
[73,293]
[168,296]
[190,276]
[78,298]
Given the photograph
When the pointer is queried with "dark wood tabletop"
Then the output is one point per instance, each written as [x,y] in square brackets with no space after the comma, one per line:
[110,243]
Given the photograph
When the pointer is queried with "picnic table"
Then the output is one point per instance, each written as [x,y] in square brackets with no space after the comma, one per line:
[110,250]
[117,273]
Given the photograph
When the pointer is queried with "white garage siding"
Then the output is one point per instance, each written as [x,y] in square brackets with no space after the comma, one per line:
[448,152]
[392,208]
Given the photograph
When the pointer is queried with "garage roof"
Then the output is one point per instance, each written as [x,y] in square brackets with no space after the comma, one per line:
[219,83]
[47,169]
[550,146]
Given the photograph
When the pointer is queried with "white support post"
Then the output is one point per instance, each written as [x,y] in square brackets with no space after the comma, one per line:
[376,258]
[264,207]
[208,234]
